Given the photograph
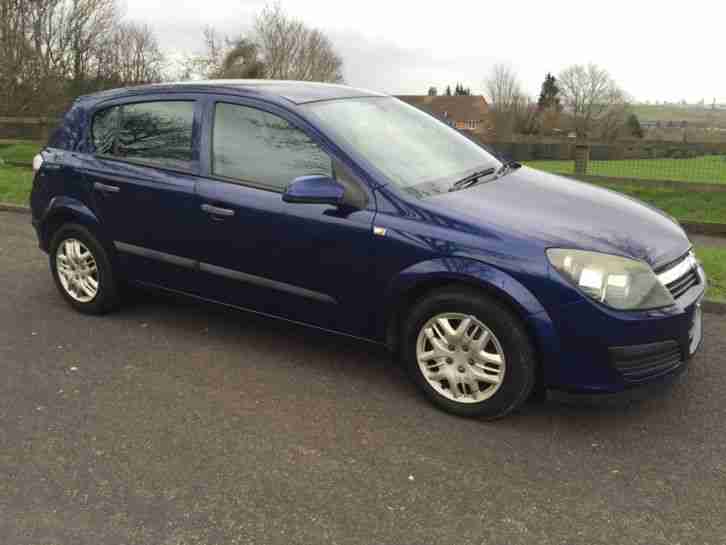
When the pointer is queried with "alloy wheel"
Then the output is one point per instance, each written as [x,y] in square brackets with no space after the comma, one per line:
[77,270]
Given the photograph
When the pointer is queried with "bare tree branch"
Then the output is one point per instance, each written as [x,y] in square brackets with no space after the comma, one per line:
[589,94]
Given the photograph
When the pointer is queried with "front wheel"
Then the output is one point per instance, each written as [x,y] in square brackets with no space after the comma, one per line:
[469,354]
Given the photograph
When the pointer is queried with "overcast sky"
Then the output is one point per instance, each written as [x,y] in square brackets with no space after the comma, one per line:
[656,50]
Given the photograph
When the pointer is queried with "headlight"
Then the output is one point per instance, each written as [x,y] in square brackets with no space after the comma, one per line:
[618,282]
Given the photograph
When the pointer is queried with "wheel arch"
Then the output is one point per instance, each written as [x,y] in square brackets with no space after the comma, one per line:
[62,210]
[418,281]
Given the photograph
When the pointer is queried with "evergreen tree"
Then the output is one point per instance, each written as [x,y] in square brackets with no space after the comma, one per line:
[448,90]
[549,97]
[634,127]
[460,90]
[433,91]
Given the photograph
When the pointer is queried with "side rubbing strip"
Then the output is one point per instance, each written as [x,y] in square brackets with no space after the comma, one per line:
[153,254]
[266,282]
[221,271]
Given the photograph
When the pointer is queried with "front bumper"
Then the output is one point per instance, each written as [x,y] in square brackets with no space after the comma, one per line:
[603,350]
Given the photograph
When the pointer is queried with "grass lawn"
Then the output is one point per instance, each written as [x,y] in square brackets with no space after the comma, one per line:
[684,205]
[15,184]
[19,151]
[714,262]
[709,170]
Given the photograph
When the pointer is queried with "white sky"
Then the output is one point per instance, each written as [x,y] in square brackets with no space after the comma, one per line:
[656,50]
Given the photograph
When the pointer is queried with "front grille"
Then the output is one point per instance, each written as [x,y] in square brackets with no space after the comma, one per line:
[681,276]
[646,361]
[683,284]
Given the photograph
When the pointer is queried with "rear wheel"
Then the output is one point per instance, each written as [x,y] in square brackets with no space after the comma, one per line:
[82,270]
[469,354]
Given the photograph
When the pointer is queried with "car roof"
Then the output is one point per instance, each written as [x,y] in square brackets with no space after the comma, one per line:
[297,92]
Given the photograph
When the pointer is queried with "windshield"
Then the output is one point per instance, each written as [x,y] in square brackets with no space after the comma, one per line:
[413,149]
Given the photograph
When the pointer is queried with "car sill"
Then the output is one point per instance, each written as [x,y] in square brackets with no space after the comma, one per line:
[257,312]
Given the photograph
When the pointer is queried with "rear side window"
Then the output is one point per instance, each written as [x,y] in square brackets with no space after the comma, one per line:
[159,133]
[262,148]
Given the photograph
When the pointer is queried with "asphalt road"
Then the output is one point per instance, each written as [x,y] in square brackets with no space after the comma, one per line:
[177,423]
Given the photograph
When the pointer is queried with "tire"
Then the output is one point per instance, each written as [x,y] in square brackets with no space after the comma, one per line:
[106,296]
[507,342]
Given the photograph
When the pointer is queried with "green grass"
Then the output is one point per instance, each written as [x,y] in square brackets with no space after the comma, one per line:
[19,151]
[694,115]
[684,205]
[709,169]
[714,262]
[15,184]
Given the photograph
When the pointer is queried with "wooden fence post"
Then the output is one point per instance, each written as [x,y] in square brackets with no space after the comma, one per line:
[582,158]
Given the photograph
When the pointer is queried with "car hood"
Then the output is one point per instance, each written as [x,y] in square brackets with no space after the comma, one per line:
[560,212]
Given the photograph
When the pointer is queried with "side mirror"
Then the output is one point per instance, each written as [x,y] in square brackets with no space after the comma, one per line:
[314,190]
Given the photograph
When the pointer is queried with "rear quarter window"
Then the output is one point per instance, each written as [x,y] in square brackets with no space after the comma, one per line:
[105,130]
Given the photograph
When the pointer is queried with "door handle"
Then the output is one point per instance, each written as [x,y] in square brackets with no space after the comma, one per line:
[98,186]
[217,211]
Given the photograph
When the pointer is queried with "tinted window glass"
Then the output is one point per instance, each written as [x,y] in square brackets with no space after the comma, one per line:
[160,132]
[105,129]
[259,147]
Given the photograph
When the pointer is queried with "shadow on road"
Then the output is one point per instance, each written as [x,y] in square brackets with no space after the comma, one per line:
[360,360]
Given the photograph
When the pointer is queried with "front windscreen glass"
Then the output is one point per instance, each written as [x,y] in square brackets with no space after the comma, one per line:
[417,152]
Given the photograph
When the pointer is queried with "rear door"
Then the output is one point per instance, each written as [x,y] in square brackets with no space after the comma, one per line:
[143,175]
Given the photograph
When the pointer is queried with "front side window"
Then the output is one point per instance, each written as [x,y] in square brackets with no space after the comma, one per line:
[261,148]
[155,132]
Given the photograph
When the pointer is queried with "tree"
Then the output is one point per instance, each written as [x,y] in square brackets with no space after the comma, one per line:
[53,50]
[502,87]
[633,124]
[549,97]
[589,93]
[506,99]
[135,57]
[289,49]
[460,90]
[433,91]
[448,90]
[612,124]
[225,58]
[549,105]
[279,47]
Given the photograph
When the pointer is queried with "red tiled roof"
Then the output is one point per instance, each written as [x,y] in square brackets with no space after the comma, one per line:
[453,108]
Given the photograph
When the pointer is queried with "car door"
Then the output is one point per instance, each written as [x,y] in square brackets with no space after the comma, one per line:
[304,262]
[142,174]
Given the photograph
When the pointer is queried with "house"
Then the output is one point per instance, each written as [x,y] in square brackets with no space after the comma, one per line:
[469,113]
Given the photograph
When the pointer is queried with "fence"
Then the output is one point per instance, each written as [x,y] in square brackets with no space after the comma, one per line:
[658,161]
[27,128]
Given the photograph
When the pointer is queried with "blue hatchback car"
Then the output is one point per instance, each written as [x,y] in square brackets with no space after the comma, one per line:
[352,212]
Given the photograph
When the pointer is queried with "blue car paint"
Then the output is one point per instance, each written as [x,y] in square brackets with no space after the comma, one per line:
[324,265]
[315,189]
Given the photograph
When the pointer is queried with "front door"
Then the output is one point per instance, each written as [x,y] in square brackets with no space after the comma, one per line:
[305,262]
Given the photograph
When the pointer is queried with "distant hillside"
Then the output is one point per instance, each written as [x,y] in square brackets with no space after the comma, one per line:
[696,116]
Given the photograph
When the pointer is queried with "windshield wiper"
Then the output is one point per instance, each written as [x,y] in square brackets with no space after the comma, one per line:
[506,167]
[472,178]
